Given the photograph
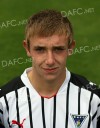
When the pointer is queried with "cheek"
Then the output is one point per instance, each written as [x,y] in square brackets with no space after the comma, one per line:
[61,62]
[36,60]
[62,58]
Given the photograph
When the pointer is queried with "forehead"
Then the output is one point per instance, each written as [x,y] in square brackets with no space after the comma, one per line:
[49,41]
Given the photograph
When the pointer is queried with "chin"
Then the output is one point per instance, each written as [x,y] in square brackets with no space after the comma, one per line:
[50,78]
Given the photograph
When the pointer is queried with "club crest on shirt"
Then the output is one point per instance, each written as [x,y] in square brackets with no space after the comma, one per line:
[20,125]
[78,119]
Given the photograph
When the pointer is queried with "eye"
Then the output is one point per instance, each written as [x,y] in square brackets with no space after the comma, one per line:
[59,49]
[39,49]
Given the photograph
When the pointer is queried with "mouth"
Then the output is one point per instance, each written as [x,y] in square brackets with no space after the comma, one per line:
[50,70]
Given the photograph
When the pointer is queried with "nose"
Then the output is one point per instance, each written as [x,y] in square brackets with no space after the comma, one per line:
[50,58]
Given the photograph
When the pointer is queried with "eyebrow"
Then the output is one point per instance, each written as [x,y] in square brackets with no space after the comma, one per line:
[37,47]
[53,47]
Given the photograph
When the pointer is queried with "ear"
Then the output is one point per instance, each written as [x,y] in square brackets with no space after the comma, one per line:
[71,47]
[25,45]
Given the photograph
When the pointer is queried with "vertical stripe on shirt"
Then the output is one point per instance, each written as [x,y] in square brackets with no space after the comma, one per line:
[67,105]
[79,94]
[30,108]
[90,110]
[17,108]
[54,113]
[43,113]
[7,107]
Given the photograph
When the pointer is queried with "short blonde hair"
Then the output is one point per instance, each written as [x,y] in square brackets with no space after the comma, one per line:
[47,23]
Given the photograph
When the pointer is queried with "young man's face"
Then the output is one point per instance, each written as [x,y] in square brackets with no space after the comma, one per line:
[49,55]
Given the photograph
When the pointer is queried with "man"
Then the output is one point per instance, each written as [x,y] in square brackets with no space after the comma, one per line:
[47,95]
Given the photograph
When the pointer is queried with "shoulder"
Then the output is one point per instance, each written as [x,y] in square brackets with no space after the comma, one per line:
[12,85]
[83,82]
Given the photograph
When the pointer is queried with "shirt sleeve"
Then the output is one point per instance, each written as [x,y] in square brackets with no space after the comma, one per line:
[1,116]
[98,116]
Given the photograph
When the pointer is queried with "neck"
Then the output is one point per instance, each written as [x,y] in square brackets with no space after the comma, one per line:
[46,88]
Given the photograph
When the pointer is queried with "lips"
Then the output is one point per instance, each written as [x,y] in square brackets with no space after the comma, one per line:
[50,70]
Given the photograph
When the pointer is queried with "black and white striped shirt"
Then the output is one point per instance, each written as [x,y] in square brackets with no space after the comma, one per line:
[76,104]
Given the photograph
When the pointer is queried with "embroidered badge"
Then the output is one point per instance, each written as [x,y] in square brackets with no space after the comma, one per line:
[78,120]
[20,125]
